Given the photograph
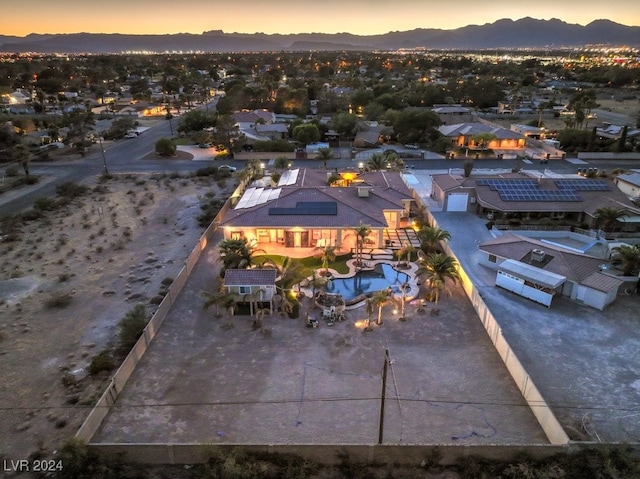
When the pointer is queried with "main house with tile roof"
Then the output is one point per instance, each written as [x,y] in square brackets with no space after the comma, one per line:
[304,211]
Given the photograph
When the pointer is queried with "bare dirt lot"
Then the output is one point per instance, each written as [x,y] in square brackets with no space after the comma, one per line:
[66,280]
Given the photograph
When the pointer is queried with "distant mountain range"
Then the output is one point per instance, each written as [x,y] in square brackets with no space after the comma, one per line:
[507,34]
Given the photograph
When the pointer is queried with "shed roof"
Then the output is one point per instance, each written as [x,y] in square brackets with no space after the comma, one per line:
[531,273]
[250,277]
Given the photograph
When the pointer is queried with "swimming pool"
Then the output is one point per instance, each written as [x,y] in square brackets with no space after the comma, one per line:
[364,282]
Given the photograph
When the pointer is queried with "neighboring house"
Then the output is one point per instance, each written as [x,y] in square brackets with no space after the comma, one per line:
[520,197]
[453,114]
[529,131]
[613,132]
[273,131]
[252,285]
[139,110]
[303,211]
[249,119]
[629,184]
[539,271]
[463,135]
[18,98]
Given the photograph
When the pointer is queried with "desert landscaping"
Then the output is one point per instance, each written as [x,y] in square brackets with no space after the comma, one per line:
[69,273]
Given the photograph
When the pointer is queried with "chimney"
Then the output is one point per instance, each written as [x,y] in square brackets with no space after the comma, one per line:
[363,191]
[537,255]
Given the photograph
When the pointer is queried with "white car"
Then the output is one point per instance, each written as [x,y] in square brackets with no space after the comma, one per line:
[131,135]
[230,169]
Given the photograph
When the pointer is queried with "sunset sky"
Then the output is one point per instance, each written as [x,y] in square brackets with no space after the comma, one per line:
[292,16]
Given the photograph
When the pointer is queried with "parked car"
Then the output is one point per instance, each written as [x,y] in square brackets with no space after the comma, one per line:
[204,145]
[227,168]
[131,135]
[412,146]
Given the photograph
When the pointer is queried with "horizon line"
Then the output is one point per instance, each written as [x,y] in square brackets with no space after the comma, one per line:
[311,32]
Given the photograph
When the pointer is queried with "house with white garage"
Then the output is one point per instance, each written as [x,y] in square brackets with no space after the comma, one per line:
[540,271]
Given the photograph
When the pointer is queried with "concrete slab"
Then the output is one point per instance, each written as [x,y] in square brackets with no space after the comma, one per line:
[585,362]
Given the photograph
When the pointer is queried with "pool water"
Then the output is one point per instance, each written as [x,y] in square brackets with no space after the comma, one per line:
[369,281]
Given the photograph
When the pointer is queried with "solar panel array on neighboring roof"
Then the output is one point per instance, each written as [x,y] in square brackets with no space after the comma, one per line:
[313,208]
[527,190]
[582,185]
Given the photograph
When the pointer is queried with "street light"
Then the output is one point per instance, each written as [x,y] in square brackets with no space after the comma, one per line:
[104,158]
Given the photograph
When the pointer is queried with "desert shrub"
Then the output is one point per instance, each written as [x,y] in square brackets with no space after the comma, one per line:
[210,207]
[71,190]
[101,362]
[131,326]
[62,277]
[11,171]
[61,299]
[45,204]
[206,171]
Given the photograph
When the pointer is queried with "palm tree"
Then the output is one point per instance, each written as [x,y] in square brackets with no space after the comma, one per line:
[437,268]
[362,232]
[253,298]
[237,253]
[378,300]
[404,288]
[405,251]
[393,161]
[629,258]
[281,163]
[327,255]
[430,238]
[608,218]
[377,162]
[219,298]
[324,155]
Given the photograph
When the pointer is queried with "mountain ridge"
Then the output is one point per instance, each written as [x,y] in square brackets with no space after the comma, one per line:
[503,33]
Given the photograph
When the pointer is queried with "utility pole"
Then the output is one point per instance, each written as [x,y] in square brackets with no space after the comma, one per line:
[104,158]
[382,397]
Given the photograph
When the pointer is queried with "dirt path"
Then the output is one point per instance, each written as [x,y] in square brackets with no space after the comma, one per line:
[107,250]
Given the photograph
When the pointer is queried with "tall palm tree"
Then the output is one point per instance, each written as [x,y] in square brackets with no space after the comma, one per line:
[362,232]
[393,161]
[629,258]
[404,289]
[608,218]
[437,268]
[324,155]
[220,297]
[378,300]
[430,238]
[327,255]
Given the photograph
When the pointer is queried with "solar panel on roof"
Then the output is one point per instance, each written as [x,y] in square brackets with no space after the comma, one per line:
[313,208]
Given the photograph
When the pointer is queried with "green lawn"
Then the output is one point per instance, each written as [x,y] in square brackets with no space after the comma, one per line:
[310,263]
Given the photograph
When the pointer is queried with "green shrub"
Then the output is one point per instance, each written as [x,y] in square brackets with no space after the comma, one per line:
[131,326]
[165,147]
[101,362]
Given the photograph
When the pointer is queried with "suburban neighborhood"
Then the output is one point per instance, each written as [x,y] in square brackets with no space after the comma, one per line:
[385,258]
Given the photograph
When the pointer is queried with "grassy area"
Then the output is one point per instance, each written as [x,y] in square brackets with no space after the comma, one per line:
[182,141]
[310,263]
